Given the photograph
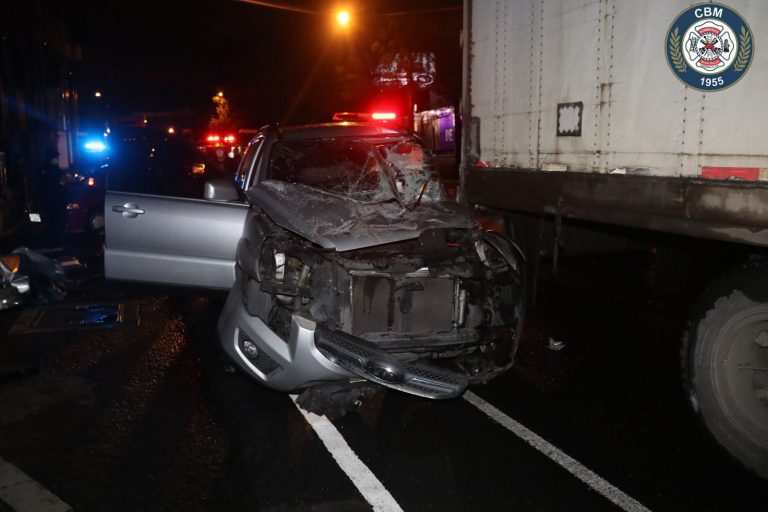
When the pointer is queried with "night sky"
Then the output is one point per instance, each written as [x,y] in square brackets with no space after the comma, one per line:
[169,54]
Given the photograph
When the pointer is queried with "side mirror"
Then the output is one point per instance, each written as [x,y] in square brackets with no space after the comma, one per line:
[221,189]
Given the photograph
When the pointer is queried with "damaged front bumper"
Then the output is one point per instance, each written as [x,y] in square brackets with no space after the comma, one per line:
[365,360]
[313,354]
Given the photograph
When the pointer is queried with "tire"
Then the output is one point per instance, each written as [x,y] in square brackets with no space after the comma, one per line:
[725,363]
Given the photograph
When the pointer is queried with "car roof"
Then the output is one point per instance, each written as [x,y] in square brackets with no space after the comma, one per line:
[344,129]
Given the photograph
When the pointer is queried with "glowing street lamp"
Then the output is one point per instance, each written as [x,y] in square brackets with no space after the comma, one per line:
[343,18]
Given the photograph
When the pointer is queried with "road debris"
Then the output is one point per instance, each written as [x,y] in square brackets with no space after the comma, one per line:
[555,345]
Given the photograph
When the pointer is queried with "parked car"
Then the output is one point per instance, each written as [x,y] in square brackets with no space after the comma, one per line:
[342,258]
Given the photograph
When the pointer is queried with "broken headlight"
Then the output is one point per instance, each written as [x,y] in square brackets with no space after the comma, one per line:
[284,274]
[494,260]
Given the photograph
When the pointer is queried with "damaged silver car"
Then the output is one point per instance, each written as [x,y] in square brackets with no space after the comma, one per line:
[345,263]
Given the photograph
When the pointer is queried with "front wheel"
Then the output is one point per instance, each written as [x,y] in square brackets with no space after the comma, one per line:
[725,363]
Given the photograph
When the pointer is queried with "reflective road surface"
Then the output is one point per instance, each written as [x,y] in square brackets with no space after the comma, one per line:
[127,407]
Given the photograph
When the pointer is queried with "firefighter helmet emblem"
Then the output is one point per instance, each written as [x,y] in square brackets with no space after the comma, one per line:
[709,47]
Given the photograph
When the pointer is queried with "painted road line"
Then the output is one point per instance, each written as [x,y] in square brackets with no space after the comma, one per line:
[23,494]
[363,478]
[577,469]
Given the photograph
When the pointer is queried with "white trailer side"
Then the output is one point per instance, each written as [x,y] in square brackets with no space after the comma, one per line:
[609,55]
[604,64]
[591,110]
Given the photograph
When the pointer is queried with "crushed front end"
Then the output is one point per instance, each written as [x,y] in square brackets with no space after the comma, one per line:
[427,315]
[353,268]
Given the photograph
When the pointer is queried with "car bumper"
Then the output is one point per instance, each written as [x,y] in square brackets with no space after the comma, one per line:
[284,365]
[313,354]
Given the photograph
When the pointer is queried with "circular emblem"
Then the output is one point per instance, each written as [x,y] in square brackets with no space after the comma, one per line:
[709,47]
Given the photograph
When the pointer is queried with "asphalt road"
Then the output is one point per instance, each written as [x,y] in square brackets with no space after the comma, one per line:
[143,416]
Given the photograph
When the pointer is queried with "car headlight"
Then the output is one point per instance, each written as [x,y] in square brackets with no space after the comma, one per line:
[283,273]
[498,253]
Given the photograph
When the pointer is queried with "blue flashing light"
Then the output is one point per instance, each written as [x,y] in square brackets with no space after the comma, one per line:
[95,146]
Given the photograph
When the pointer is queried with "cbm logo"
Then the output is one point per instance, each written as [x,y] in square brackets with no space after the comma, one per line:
[709,47]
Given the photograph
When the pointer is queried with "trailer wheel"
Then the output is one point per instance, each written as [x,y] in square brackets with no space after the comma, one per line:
[725,363]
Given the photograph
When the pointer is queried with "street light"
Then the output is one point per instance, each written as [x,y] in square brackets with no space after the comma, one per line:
[343,18]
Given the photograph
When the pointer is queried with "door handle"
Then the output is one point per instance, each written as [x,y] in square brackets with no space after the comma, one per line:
[130,210]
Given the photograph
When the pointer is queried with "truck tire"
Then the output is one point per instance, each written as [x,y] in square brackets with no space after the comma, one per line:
[725,363]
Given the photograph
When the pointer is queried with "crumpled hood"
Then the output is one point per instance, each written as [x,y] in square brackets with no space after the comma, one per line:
[340,223]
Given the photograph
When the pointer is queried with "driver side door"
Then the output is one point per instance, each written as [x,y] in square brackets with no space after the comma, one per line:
[160,228]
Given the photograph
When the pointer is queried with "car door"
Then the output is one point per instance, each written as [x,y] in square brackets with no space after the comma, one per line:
[159,228]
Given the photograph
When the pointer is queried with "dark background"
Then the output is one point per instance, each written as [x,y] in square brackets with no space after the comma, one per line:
[167,55]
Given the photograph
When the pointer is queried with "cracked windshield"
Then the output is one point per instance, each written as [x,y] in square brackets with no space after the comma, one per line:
[366,171]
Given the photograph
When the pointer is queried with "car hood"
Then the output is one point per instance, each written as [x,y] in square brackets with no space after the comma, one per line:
[341,223]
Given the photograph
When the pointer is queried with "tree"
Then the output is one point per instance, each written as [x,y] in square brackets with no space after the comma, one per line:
[224,118]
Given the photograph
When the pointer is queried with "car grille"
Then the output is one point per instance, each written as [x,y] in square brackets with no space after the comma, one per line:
[416,304]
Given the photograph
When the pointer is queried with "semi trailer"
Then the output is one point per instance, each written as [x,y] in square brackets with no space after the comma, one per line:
[643,117]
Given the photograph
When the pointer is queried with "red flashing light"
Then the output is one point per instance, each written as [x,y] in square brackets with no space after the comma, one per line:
[213,138]
[364,116]
[229,138]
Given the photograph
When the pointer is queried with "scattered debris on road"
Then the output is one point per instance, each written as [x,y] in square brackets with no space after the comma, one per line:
[555,345]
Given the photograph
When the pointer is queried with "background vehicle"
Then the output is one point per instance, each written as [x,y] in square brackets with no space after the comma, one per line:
[85,199]
[225,149]
[587,90]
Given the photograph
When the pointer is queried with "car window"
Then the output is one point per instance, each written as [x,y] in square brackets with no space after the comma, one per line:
[246,164]
[160,166]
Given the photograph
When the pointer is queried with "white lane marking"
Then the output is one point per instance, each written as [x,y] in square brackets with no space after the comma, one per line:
[23,494]
[577,469]
[363,478]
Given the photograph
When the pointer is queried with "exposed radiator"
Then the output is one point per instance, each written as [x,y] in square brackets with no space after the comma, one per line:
[417,304]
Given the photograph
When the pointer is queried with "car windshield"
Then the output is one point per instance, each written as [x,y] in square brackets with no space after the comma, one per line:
[369,171]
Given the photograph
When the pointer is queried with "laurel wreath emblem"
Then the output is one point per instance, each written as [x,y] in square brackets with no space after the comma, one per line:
[676,54]
[745,50]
